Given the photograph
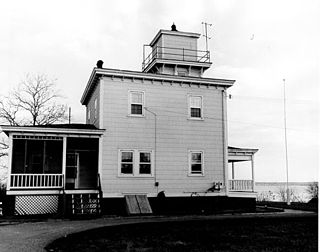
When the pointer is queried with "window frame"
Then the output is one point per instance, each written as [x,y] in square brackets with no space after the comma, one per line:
[88,114]
[139,163]
[120,164]
[136,163]
[130,103]
[190,173]
[96,108]
[190,96]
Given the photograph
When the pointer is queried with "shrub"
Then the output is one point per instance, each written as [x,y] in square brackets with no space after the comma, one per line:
[313,190]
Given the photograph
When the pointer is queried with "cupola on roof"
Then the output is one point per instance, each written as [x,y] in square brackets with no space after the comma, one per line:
[176,52]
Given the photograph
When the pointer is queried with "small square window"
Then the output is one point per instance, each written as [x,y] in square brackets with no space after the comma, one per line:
[136,100]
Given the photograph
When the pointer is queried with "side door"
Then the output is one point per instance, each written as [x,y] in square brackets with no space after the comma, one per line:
[72,170]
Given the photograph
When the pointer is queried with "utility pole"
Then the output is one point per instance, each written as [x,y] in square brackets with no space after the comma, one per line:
[285,138]
[206,33]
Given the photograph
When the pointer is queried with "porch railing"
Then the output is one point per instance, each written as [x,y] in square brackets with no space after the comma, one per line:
[35,181]
[241,185]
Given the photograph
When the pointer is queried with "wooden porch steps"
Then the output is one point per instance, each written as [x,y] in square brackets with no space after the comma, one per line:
[86,204]
[137,204]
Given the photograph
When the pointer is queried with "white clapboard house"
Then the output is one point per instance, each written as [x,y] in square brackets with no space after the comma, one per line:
[154,140]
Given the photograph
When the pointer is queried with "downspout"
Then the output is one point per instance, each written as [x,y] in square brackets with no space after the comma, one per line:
[225,141]
[156,183]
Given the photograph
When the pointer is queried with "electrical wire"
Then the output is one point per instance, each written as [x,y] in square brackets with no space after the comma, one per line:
[226,120]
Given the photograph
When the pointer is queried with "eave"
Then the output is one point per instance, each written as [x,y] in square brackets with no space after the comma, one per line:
[100,72]
[47,130]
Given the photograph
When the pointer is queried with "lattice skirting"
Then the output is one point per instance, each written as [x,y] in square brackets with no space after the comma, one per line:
[36,204]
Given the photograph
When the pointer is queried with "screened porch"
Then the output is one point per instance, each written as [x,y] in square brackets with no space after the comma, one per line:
[54,160]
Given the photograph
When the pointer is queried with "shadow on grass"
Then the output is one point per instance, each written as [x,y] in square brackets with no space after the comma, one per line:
[240,234]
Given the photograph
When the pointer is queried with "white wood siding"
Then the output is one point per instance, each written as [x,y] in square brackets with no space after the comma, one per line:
[176,135]
[91,106]
[171,41]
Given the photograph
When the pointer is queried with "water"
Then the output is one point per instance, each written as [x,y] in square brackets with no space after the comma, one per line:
[276,191]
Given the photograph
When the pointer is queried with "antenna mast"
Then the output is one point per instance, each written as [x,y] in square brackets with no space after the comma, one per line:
[206,33]
[285,138]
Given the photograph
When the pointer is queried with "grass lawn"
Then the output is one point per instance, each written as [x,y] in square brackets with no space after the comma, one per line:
[239,234]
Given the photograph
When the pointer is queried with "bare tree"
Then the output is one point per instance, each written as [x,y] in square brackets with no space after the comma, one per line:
[3,148]
[33,103]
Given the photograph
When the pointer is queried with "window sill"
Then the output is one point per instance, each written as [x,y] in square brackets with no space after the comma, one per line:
[196,118]
[136,116]
[195,175]
[135,176]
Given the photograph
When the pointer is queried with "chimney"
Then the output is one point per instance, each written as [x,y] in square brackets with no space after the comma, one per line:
[173,27]
[99,63]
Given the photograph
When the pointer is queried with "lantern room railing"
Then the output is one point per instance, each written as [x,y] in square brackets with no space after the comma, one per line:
[180,54]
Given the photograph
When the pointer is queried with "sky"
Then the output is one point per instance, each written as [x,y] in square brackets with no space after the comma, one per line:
[256,43]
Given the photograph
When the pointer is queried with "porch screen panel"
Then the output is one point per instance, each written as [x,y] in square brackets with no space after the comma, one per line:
[18,156]
[53,157]
[37,156]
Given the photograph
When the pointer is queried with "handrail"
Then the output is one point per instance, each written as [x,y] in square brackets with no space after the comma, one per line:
[182,54]
[32,181]
[241,185]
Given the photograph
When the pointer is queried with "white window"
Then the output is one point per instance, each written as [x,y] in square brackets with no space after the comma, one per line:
[196,163]
[126,162]
[135,163]
[96,108]
[136,103]
[145,163]
[195,107]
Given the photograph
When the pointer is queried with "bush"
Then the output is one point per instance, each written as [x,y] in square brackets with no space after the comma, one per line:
[294,197]
[313,190]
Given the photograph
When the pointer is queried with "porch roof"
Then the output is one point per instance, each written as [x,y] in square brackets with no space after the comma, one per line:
[240,154]
[54,129]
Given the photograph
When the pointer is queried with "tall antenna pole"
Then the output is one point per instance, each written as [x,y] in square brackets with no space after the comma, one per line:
[206,33]
[285,138]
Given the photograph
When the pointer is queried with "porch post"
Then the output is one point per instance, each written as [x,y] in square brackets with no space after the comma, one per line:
[9,162]
[64,158]
[232,163]
[252,172]
[225,139]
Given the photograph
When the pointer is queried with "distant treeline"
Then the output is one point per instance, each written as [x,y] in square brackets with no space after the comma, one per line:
[284,183]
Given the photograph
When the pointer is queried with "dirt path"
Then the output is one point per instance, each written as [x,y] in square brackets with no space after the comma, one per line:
[34,236]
